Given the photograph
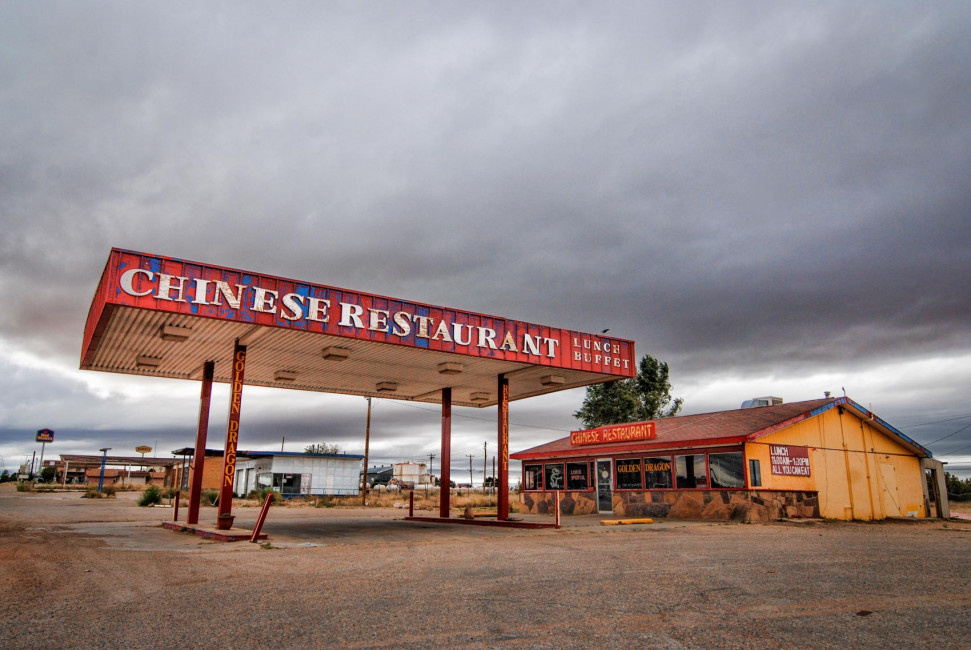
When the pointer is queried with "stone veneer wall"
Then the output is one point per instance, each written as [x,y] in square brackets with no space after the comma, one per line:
[738,505]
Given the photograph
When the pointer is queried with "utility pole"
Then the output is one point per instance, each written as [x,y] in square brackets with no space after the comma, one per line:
[470,472]
[485,464]
[367,443]
[431,459]
[495,488]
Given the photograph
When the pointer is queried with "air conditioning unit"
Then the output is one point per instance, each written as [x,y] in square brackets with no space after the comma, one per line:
[756,402]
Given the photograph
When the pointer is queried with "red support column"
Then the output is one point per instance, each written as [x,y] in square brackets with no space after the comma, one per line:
[224,521]
[503,478]
[199,457]
[444,494]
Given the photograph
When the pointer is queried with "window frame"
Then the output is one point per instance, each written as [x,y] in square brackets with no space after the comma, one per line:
[741,477]
[640,473]
[670,472]
[538,477]
[587,475]
[546,473]
[703,474]
[754,473]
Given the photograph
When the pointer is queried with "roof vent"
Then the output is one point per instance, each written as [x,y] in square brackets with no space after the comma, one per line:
[756,402]
[334,353]
[145,361]
[174,333]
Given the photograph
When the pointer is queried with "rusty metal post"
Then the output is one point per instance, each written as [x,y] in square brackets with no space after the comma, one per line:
[224,520]
[411,503]
[199,457]
[175,514]
[502,511]
[556,508]
[367,445]
[444,492]
[258,528]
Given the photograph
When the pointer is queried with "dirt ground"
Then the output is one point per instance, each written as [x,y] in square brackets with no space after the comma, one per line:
[85,573]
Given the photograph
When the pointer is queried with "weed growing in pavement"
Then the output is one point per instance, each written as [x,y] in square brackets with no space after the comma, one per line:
[151,496]
[210,497]
[91,492]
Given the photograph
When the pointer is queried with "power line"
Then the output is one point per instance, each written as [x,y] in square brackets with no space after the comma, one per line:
[949,435]
[471,417]
[922,424]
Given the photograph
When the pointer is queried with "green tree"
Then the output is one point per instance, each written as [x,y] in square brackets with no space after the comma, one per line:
[646,396]
[957,487]
[48,474]
[322,448]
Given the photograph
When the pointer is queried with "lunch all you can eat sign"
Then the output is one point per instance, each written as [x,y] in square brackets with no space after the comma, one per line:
[788,460]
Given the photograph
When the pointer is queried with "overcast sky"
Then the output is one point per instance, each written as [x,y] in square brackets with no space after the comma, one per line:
[774,198]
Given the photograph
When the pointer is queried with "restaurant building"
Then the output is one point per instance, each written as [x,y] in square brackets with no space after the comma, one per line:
[828,458]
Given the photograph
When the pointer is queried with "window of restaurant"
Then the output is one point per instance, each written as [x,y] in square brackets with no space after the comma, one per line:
[577,476]
[554,477]
[657,473]
[754,473]
[690,471]
[629,474]
[532,477]
[727,470]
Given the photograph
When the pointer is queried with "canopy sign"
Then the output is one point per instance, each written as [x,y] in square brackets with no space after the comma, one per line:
[179,287]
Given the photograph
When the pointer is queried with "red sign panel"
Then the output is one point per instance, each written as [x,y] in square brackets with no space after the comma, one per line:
[45,435]
[177,286]
[232,431]
[615,433]
[787,460]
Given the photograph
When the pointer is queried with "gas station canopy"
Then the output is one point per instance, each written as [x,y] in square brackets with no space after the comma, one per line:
[164,317]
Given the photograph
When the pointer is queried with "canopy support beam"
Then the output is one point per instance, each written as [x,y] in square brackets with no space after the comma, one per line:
[444,490]
[199,456]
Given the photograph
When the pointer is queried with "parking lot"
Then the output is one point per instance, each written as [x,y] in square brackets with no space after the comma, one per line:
[104,573]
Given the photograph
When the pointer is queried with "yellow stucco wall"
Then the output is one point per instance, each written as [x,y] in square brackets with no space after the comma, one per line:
[858,472]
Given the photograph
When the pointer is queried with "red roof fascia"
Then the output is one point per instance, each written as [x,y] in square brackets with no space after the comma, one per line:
[604,450]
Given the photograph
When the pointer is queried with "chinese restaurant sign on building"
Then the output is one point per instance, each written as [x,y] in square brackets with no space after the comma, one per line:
[615,433]
[180,287]
[787,460]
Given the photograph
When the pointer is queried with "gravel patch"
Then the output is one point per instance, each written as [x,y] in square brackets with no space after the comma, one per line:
[104,574]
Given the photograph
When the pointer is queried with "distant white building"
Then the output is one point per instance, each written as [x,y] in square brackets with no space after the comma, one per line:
[293,474]
[411,475]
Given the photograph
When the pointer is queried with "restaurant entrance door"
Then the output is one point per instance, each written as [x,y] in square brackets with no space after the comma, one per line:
[605,487]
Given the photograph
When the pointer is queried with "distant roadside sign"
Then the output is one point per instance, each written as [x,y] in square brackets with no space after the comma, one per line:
[45,435]
[142,449]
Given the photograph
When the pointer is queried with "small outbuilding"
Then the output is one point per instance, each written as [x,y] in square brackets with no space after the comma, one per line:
[827,458]
[294,474]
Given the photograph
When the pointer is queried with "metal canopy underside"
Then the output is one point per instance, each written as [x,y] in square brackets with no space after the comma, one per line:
[82,461]
[130,333]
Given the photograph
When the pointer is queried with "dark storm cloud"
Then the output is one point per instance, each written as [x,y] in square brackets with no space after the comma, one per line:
[746,190]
